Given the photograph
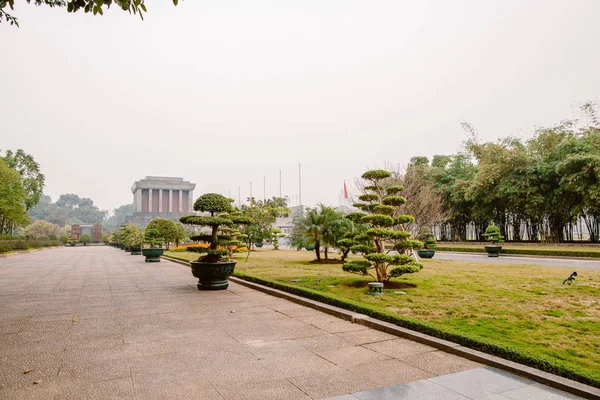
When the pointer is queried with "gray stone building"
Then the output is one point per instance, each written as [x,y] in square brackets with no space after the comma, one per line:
[159,196]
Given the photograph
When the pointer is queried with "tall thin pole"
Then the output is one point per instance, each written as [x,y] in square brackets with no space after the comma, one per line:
[264,189]
[279,183]
[299,184]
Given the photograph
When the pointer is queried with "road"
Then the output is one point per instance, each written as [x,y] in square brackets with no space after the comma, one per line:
[573,263]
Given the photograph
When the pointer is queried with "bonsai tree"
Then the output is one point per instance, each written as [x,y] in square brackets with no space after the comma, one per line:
[153,237]
[85,239]
[381,204]
[167,230]
[426,236]
[492,234]
[220,217]
[275,236]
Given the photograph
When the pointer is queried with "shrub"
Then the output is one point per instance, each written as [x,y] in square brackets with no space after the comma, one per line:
[492,234]
[85,239]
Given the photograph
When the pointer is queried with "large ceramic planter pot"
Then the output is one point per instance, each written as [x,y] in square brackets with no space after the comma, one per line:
[426,253]
[212,276]
[258,244]
[493,251]
[310,247]
[136,250]
[153,254]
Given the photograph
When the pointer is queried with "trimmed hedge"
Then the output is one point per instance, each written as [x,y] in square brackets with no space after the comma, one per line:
[477,343]
[24,244]
[529,252]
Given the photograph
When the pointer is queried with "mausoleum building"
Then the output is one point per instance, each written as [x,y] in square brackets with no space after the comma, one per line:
[158,196]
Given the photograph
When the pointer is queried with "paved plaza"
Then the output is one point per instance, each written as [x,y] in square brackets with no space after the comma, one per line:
[97,323]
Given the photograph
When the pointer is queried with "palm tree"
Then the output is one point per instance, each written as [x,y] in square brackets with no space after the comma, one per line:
[320,226]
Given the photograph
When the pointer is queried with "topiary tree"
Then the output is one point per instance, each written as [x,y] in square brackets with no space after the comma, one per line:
[153,237]
[492,234]
[220,216]
[167,230]
[386,231]
[276,234]
[426,236]
[85,239]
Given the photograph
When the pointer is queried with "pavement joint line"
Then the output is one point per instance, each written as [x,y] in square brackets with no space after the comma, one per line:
[555,381]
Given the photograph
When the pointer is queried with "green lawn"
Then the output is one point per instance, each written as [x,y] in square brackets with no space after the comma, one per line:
[523,306]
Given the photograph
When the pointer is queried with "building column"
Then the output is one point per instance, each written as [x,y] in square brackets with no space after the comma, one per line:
[190,204]
[180,200]
[170,200]
[149,200]
[160,200]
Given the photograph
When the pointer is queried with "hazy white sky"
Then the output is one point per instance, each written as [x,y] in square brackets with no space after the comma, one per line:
[222,93]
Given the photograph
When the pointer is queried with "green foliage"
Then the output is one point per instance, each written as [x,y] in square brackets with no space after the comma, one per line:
[426,236]
[12,199]
[152,236]
[258,218]
[42,228]
[213,203]
[85,239]
[321,227]
[167,230]
[136,7]
[224,222]
[384,229]
[492,233]
[29,170]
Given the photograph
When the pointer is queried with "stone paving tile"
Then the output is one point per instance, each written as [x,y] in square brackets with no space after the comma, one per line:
[399,348]
[273,389]
[350,356]
[109,389]
[422,390]
[366,336]
[481,382]
[390,372]
[336,382]
[537,392]
[439,362]
[321,343]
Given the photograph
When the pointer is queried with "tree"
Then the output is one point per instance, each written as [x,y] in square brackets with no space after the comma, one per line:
[319,227]
[380,205]
[32,179]
[12,199]
[94,6]
[220,215]
[167,230]
[42,228]
[85,239]
[263,215]
[118,218]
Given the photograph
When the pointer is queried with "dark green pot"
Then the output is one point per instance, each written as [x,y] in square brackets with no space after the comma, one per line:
[136,250]
[212,276]
[258,244]
[309,248]
[72,244]
[153,254]
[493,251]
[426,253]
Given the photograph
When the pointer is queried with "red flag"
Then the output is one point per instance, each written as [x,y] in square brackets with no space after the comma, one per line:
[345,190]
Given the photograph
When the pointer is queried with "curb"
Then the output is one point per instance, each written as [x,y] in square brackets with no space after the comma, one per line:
[555,381]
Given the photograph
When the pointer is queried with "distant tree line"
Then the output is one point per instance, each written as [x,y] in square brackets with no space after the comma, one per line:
[536,189]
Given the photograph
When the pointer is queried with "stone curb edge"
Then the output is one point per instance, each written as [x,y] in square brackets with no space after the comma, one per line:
[555,381]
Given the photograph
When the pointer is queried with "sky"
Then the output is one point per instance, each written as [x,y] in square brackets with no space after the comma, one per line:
[224,93]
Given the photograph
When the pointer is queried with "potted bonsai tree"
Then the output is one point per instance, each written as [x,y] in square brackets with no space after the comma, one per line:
[492,234]
[214,267]
[154,240]
[429,243]
[134,241]
[386,231]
